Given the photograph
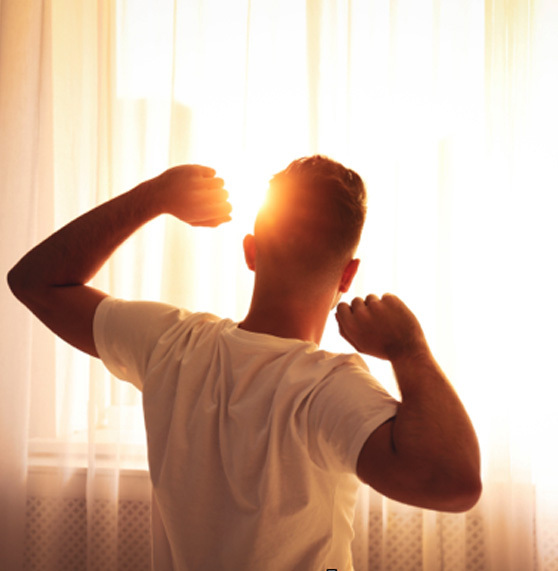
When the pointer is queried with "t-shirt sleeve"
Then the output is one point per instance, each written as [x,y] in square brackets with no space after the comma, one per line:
[347,407]
[127,332]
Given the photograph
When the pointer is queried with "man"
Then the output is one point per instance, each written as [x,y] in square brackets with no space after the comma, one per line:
[255,436]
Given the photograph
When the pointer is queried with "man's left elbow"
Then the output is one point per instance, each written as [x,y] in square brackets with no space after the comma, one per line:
[464,495]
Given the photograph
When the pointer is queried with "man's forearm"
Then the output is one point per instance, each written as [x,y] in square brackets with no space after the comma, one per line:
[432,429]
[50,279]
[74,254]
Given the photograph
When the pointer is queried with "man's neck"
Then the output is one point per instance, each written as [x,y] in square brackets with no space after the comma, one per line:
[294,320]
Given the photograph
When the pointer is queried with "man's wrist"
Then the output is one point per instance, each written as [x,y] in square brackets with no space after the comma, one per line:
[412,352]
[416,370]
[149,200]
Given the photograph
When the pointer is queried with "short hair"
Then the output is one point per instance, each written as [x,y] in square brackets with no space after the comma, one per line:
[318,206]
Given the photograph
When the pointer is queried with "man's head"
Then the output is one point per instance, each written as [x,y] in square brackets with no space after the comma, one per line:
[310,225]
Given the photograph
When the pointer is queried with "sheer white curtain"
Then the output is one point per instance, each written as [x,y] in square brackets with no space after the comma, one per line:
[447,108]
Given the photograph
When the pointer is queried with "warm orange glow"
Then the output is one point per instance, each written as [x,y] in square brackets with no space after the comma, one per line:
[453,136]
[247,195]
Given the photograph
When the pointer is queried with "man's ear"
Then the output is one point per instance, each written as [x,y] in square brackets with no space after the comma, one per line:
[249,245]
[348,275]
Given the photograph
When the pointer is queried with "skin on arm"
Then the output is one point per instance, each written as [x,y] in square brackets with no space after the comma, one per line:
[428,454]
[51,279]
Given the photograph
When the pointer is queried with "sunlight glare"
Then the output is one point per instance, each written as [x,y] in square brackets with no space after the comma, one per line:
[247,191]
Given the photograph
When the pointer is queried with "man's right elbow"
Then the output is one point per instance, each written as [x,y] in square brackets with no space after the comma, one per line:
[20,286]
[13,282]
[16,283]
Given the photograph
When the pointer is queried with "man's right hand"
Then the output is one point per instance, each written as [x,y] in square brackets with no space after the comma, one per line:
[193,194]
[384,328]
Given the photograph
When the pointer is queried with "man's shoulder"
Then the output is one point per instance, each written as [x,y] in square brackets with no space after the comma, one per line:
[147,309]
[340,361]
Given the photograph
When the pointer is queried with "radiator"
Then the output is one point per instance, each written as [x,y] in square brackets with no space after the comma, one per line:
[60,537]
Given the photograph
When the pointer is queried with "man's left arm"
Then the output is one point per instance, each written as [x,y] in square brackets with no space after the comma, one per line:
[51,279]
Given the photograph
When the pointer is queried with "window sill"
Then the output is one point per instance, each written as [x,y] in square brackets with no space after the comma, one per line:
[102,470]
[104,453]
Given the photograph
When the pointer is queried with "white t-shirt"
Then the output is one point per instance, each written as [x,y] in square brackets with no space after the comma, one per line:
[252,439]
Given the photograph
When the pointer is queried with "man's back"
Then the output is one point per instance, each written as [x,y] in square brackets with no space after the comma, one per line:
[253,439]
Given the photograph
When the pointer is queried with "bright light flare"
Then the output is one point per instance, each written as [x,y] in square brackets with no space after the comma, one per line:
[247,195]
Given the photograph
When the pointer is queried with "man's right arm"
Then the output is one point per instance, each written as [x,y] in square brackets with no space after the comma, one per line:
[428,454]
[51,279]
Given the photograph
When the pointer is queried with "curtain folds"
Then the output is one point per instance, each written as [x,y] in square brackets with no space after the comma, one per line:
[447,109]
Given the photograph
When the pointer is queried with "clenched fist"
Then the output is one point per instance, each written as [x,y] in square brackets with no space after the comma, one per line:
[384,328]
[193,194]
